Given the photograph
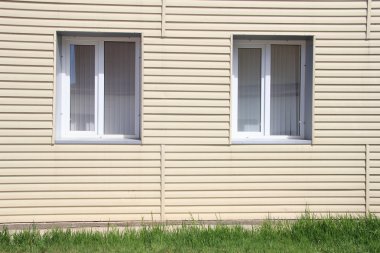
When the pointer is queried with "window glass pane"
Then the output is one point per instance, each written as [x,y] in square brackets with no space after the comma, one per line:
[82,88]
[285,90]
[119,88]
[249,90]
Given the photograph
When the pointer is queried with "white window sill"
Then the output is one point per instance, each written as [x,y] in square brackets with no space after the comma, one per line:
[98,141]
[272,141]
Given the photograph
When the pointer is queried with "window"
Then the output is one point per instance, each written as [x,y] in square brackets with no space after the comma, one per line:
[269,90]
[98,88]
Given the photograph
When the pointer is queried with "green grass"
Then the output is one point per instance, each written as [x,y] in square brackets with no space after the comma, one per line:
[342,234]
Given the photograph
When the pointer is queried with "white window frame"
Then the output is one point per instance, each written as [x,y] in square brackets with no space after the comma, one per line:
[63,91]
[265,46]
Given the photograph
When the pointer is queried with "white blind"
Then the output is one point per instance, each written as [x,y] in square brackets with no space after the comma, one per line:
[249,90]
[82,88]
[119,88]
[285,90]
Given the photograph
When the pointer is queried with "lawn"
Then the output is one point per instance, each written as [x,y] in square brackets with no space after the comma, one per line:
[308,234]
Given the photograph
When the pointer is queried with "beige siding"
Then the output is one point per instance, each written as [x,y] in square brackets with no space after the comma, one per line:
[254,181]
[79,183]
[186,98]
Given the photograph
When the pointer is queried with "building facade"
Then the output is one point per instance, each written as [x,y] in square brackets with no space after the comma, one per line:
[172,110]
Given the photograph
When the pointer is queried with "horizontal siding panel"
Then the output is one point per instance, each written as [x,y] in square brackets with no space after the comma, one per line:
[185,102]
[186,125]
[78,163]
[187,42]
[347,66]
[187,64]
[25,86]
[348,125]
[44,38]
[22,45]
[79,16]
[80,187]
[185,110]
[25,101]
[266,12]
[26,117]
[271,4]
[19,61]
[79,203]
[347,103]
[79,210]
[265,171]
[26,77]
[347,118]
[82,148]
[348,133]
[347,73]
[79,217]
[79,171]
[266,27]
[347,88]
[273,208]
[107,27]
[252,215]
[184,118]
[187,133]
[101,2]
[187,72]
[54,23]
[347,140]
[185,57]
[348,95]
[186,95]
[332,34]
[347,50]
[263,178]
[186,140]
[27,69]
[25,123]
[347,43]
[264,163]
[347,58]
[263,194]
[186,79]
[124,195]
[262,201]
[23,132]
[262,156]
[29,108]
[78,179]
[25,93]
[26,53]
[373,111]
[25,140]
[264,148]
[267,186]
[187,49]
[375,148]
[252,19]
[80,156]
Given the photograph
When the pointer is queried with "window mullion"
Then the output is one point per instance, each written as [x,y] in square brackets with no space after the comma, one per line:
[100,89]
[267,82]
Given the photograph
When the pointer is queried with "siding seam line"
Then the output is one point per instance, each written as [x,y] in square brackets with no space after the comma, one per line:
[367,182]
[162,182]
[54,98]
[163,17]
[369,10]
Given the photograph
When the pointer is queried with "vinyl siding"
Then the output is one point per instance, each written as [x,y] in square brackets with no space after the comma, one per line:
[186,107]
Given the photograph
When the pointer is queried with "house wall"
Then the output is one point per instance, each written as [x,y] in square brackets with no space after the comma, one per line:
[186,166]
